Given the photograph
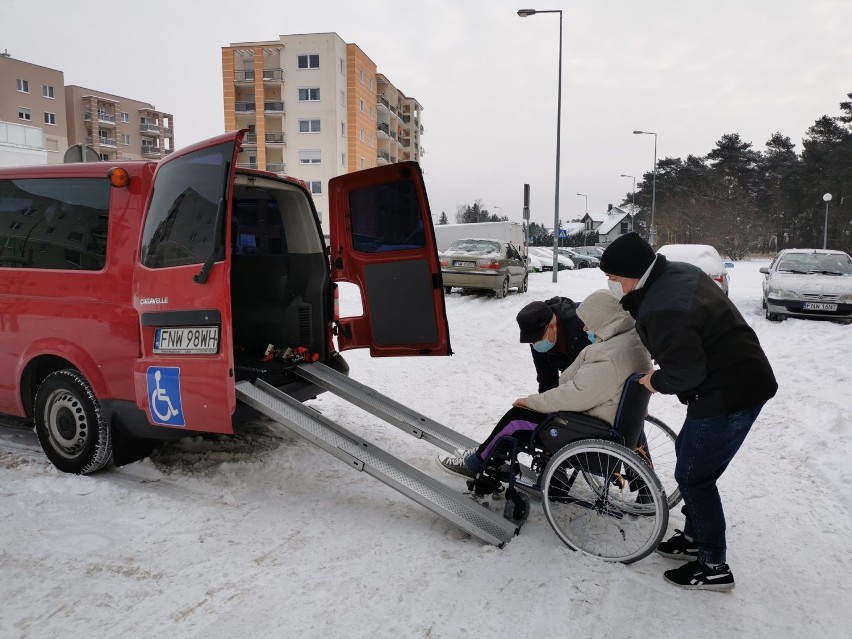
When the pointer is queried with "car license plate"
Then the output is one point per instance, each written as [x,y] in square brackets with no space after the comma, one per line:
[463,263]
[819,306]
[191,339]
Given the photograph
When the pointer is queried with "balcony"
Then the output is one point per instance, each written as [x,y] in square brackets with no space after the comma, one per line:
[273,75]
[147,128]
[245,107]
[247,165]
[103,117]
[102,141]
[383,129]
[276,167]
[150,151]
[384,157]
[274,138]
[383,102]
[244,76]
[273,106]
[250,139]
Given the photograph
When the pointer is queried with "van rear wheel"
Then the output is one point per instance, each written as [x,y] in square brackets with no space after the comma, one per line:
[70,424]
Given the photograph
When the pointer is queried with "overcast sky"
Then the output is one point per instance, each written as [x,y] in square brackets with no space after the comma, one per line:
[689,70]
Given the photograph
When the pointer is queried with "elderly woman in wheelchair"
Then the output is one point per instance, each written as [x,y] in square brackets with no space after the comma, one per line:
[574,446]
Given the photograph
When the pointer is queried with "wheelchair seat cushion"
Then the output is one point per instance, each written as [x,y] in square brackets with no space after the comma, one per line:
[561,429]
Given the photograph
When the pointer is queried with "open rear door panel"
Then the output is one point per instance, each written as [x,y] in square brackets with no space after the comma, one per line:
[184,377]
[382,240]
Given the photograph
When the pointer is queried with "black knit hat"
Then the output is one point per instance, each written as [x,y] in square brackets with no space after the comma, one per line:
[533,319]
[628,256]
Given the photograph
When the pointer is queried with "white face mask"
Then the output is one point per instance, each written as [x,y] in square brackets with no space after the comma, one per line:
[615,288]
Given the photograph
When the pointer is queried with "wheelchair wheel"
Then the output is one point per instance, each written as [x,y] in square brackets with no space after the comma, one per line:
[591,507]
[661,446]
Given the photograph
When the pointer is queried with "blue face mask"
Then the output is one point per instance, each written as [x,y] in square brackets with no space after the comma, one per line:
[543,345]
[591,335]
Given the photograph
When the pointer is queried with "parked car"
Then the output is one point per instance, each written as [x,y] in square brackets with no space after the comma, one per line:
[809,284]
[580,260]
[546,255]
[494,265]
[594,251]
[535,264]
[704,257]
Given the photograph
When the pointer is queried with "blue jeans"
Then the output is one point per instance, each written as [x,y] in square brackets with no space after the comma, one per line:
[705,447]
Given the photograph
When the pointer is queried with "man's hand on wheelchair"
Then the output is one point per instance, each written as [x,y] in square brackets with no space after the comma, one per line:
[521,402]
[646,381]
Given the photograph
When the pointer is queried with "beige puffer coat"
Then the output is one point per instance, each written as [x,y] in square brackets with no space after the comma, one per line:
[593,383]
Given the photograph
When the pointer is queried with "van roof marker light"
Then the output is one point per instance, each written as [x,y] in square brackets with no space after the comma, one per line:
[118,177]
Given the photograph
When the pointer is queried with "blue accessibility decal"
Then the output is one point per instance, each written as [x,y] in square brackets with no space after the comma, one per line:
[164,395]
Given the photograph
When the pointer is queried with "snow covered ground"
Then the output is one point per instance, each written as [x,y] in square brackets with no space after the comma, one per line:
[264,535]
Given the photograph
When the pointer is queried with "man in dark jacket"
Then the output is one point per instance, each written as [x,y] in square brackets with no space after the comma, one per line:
[555,335]
[712,360]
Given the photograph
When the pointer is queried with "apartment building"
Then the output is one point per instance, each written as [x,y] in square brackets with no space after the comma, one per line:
[40,117]
[33,123]
[118,128]
[316,107]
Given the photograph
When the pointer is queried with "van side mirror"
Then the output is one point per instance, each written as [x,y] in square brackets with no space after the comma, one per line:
[764,270]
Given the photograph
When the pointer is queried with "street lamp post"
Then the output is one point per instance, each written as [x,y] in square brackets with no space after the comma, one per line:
[587,213]
[652,233]
[525,13]
[825,198]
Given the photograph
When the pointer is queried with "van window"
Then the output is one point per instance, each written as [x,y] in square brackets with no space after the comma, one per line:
[386,218]
[180,226]
[54,223]
[257,225]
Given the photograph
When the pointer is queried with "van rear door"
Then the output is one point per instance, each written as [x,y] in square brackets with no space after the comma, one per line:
[184,377]
[382,240]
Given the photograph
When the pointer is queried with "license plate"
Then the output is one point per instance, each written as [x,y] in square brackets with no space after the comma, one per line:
[190,339]
[465,264]
[819,306]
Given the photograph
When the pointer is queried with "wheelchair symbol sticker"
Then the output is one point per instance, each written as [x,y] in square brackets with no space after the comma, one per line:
[164,394]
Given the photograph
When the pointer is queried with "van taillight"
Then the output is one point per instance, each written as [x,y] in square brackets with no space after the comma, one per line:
[336,303]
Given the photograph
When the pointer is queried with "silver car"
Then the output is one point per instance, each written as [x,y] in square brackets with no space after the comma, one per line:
[483,264]
[810,284]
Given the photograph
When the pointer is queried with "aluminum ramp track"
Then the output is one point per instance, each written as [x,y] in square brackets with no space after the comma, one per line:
[362,455]
[384,407]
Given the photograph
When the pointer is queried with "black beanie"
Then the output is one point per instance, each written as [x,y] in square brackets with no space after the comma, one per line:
[628,256]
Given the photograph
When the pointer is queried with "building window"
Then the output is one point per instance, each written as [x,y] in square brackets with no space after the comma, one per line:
[125,117]
[104,156]
[310,156]
[363,136]
[361,75]
[371,84]
[309,126]
[363,164]
[47,91]
[316,187]
[125,139]
[311,94]
[308,61]
[342,98]
[342,67]
[342,159]
[24,114]
[24,86]
[361,105]
[373,141]
[50,118]
[343,129]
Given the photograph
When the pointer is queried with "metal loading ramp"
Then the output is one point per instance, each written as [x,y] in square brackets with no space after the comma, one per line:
[384,407]
[362,455]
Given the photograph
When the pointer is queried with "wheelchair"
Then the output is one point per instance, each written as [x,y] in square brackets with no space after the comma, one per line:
[596,482]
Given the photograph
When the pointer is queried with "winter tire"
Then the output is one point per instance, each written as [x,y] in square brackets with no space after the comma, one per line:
[503,291]
[70,424]
[589,503]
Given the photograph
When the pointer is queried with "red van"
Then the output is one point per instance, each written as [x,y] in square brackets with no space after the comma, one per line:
[135,295]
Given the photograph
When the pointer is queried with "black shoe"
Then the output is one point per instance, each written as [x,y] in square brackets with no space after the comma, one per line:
[678,547]
[457,465]
[699,576]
